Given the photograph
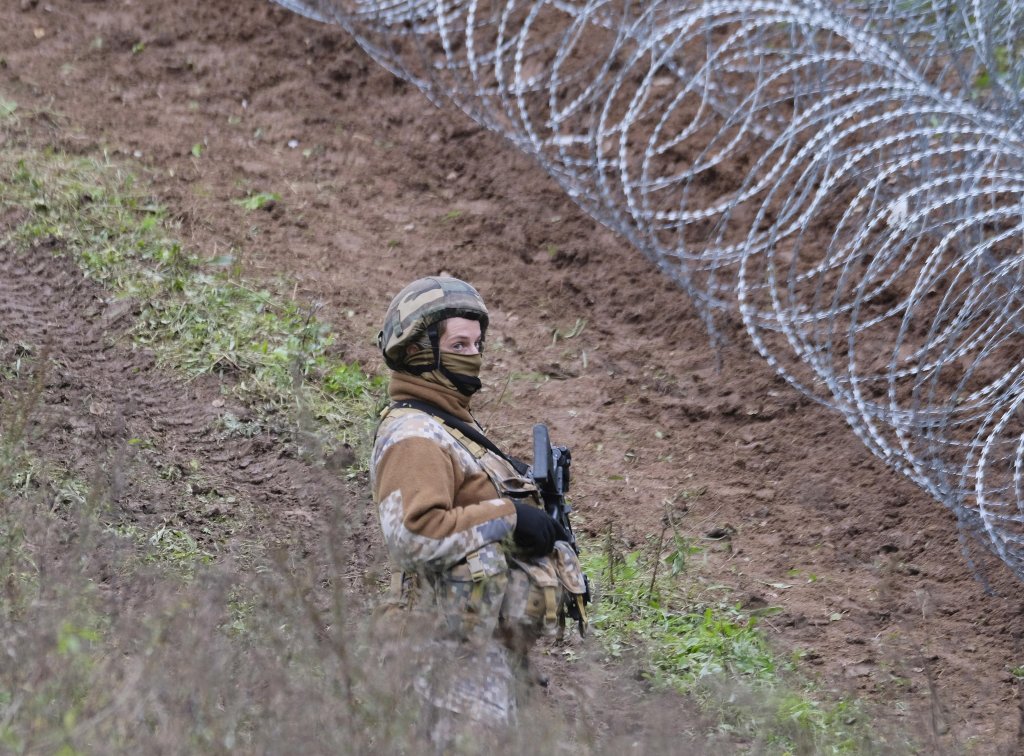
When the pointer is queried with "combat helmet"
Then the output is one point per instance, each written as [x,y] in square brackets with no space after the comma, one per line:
[419,307]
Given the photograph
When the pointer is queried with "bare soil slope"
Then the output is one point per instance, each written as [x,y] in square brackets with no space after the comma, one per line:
[378,187]
[145,438]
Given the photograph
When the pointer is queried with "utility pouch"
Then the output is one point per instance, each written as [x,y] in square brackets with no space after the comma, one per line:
[540,592]
[531,606]
[470,594]
[405,595]
[405,588]
[574,582]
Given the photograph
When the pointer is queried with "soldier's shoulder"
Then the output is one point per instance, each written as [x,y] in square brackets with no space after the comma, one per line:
[404,423]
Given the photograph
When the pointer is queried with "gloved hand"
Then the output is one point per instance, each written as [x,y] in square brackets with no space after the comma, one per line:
[536,531]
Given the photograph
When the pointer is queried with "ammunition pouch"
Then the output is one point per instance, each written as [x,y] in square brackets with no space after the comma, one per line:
[537,594]
[470,594]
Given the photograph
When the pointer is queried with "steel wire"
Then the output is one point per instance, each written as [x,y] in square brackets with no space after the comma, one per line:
[848,178]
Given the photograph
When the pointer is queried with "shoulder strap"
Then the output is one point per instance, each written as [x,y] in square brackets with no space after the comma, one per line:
[470,431]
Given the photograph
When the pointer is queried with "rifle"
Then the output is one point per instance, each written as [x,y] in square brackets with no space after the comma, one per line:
[550,473]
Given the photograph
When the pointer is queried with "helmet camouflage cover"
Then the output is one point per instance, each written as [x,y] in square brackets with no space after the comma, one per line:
[421,304]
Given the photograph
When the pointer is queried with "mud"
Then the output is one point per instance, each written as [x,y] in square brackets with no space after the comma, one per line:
[379,187]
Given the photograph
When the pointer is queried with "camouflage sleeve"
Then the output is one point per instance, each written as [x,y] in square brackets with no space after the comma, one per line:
[433,509]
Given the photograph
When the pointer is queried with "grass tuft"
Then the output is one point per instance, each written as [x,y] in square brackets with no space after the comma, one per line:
[258,201]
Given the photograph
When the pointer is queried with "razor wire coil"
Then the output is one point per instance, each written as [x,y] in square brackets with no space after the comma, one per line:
[847,177]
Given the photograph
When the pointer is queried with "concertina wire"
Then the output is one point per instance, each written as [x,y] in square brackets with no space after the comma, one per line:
[846,177]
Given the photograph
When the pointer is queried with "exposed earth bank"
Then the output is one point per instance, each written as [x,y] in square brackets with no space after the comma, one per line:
[213,101]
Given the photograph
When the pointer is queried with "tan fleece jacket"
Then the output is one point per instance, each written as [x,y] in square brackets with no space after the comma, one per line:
[436,503]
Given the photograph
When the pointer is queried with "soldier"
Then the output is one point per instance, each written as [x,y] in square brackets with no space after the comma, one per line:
[468,538]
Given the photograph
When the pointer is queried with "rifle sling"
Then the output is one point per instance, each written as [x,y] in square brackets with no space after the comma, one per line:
[470,431]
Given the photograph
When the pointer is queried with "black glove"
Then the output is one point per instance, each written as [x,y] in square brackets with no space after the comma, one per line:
[536,531]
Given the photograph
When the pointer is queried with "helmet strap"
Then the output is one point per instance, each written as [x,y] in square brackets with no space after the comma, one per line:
[435,341]
[435,345]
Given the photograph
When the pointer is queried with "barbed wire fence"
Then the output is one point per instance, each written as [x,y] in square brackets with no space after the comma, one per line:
[847,177]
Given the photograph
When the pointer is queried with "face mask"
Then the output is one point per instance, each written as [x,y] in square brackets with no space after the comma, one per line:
[457,371]
[463,370]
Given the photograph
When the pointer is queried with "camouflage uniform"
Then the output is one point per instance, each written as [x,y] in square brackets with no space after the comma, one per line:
[447,517]
[416,546]
[490,606]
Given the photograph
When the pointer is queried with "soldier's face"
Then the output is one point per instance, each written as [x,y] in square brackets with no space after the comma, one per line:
[461,336]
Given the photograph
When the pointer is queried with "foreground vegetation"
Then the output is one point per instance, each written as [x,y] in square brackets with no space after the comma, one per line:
[701,642]
[127,640]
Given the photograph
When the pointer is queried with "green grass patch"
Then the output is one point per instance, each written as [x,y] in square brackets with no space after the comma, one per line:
[174,548]
[197,314]
[717,652]
[682,642]
[110,650]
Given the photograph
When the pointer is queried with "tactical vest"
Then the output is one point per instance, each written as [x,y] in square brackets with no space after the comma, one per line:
[493,590]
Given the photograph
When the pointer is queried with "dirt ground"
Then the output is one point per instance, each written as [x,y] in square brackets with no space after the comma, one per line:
[379,187]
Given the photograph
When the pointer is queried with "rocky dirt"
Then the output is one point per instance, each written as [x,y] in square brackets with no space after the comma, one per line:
[379,187]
